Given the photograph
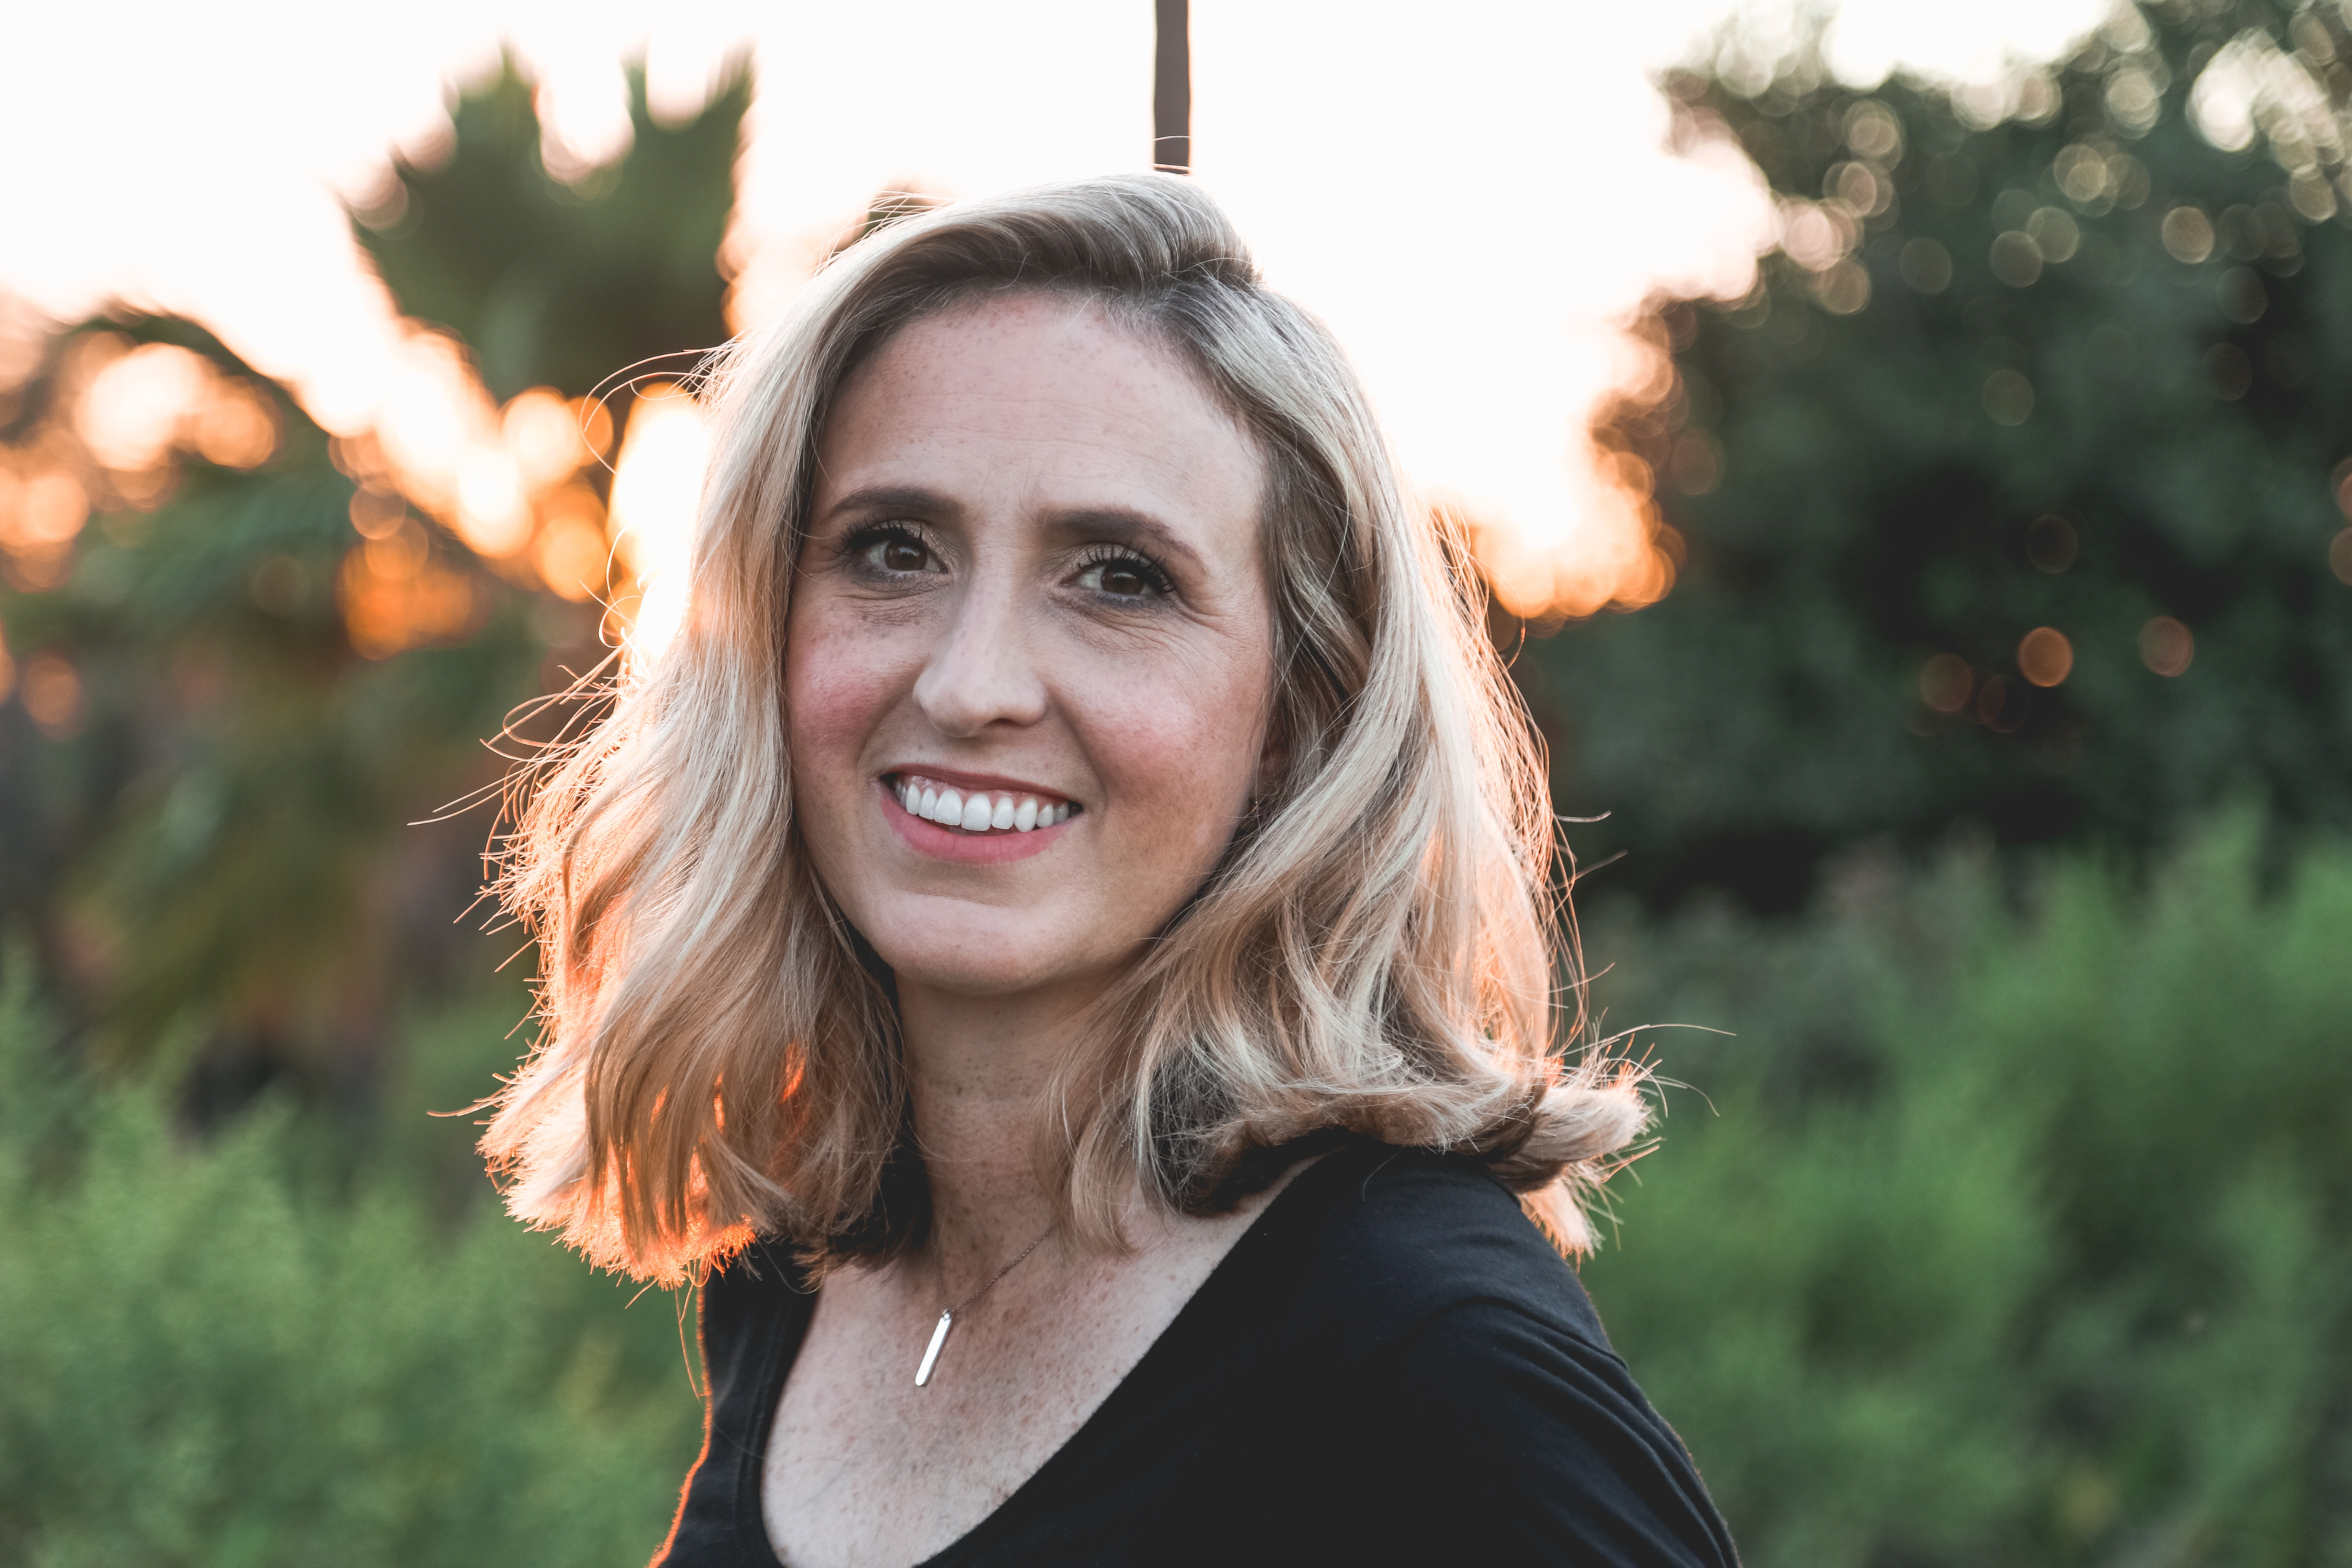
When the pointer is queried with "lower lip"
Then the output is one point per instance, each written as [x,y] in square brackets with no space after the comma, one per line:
[938,843]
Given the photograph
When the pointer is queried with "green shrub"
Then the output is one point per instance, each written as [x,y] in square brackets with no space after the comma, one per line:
[2007,1238]
[2004,1238]
[210,1353]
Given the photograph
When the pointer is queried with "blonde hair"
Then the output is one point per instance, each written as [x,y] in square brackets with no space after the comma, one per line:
[1380,950]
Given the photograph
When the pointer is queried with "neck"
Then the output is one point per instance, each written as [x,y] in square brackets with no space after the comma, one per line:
[977,1069]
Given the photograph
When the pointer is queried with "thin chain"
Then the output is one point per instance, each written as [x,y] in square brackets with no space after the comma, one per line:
[1018,1258]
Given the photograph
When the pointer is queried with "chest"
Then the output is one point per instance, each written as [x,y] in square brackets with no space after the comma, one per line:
[863,1467]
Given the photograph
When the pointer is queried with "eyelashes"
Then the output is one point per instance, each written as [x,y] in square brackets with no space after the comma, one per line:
[881,550]
[1132,570]
[896,551]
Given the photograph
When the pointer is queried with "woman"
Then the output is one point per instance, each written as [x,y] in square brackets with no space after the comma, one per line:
[1060,945]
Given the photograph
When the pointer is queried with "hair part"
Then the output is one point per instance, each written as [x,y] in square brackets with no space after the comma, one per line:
[1382,951]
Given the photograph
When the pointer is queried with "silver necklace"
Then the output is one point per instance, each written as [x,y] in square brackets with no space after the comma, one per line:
[947,1318]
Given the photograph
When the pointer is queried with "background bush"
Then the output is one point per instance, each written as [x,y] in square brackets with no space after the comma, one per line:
[1994,1236]
[217,1350]
[2004,1237]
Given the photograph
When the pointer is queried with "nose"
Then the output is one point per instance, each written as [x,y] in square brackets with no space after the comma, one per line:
[982,672]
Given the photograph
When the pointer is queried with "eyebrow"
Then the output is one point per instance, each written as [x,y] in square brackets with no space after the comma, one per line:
[893,498]
[1118,524]
[1125,525]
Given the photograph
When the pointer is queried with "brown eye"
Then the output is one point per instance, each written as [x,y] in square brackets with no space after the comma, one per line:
[1124,576]
[903,554]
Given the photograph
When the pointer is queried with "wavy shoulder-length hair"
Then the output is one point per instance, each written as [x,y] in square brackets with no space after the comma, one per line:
[1381,951]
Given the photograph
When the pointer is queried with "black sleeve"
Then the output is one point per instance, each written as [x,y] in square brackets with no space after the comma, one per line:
[1516,1440]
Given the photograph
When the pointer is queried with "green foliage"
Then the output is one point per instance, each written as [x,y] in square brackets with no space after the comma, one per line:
[2004,1240]
[556,284]
[222,838]
[212,1358]
[2085,444]
[296,1333]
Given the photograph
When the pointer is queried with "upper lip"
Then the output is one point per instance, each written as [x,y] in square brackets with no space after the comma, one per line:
[970,781]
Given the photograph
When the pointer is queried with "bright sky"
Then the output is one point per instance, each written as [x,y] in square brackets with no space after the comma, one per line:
[1476,196]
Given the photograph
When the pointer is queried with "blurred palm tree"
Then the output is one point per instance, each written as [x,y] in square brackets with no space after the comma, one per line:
[208,779]
[561,285]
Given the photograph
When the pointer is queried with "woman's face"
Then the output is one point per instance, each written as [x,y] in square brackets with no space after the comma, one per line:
[1030,654]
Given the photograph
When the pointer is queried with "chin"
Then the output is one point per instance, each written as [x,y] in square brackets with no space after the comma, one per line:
[956,958]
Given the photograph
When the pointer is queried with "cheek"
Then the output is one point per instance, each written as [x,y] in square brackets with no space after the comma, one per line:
[837,685]
[1183,752]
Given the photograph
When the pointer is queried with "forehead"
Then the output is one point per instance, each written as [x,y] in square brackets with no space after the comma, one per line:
[1044,399]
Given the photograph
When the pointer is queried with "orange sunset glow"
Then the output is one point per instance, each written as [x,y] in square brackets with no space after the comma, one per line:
[1489,362]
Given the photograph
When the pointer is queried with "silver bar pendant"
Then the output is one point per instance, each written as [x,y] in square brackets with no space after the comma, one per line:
[931,1350]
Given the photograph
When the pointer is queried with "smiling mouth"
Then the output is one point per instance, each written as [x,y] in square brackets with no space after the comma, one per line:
[977,811]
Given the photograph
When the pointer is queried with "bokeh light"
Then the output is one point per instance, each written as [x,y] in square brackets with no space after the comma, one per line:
[132,412]
[110,439]
[52,694]
[542,434]
[657,488]
[2008,397]
[2051,543]
[2166,646]
[572,553]
[504,481]
[396,597]
[2188,234]
[2044,657]
[1493,327]
[41,512]
[1946,683]
[1992,706]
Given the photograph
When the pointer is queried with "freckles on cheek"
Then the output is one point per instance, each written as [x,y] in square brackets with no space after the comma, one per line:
[835,691]
[1184,760]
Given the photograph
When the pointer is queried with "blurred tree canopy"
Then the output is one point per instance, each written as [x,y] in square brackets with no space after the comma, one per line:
[204,782]
[2071,367]
[561,285]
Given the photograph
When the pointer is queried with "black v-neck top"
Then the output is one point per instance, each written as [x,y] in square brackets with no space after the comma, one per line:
[1390,1365]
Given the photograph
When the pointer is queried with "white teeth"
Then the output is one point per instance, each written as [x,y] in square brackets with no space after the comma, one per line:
[981,811]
